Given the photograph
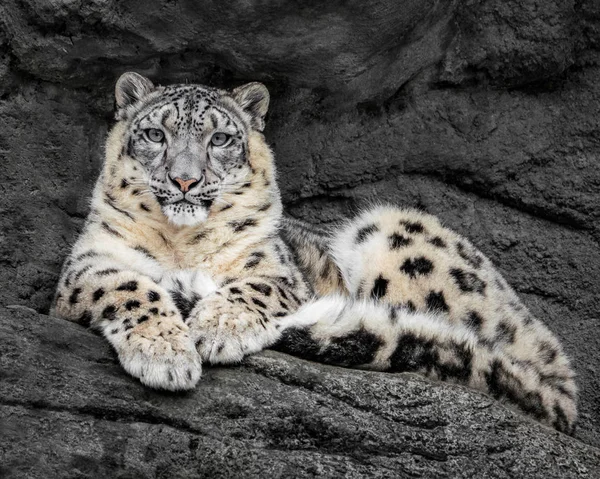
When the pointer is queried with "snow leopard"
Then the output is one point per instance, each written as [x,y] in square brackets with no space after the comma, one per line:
[186,258]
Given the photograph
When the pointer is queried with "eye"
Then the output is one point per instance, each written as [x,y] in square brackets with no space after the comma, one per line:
[155,135]
[220,139]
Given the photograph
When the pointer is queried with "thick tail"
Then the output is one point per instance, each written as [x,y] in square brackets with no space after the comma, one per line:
[371,335]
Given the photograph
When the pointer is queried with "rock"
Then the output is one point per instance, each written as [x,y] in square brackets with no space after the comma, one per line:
[484,113]
[68,410]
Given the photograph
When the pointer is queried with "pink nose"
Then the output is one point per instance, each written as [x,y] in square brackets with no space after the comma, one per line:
[184,185]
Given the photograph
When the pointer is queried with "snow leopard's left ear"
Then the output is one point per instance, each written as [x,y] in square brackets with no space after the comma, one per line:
[254,99]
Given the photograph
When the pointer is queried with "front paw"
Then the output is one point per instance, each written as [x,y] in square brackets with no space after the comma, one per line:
[162,355]
[220,345]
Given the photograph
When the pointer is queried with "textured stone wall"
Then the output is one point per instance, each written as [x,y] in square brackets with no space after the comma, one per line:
[482,112]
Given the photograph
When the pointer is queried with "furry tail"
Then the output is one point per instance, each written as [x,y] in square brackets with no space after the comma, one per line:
[371,335]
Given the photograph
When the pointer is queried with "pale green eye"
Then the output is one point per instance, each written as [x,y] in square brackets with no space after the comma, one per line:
[155,135]
[219,139]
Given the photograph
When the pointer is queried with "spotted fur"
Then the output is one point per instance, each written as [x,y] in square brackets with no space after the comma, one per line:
[186,258]
[423,299]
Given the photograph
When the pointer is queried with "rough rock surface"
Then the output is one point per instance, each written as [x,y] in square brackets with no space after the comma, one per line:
[482,112]
[274,416]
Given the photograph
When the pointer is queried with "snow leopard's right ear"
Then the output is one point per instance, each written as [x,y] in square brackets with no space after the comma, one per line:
[131,87]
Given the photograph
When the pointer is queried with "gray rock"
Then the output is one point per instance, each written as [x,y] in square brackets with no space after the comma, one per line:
[68,410]
[485,113]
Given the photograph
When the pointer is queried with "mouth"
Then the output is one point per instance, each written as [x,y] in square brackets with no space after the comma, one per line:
[185,213]
[203,203]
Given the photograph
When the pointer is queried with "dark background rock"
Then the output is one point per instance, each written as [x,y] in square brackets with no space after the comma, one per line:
[482,112]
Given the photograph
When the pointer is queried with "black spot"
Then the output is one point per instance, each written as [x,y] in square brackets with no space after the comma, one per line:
[412,227]
[145,252]
[415,354]
[144,207]
[85,319]
[547,352]
[254,259]
[184,304]
[98,294]
[81,272]
[379,287]
[437,242]
[280,314]
[364,232]
[294,297]
[468,282]
[410,306]
[265,207]
[502,383]
[417,266]
[397,241]
[281,292]
[505,332]
[87,254]
[132,304]
[130,147]
[241,225]
[124,183]
[106,272]
[528,320]
[469,254]
[74,298]
[142,319]
[110,202]
[109,313]
[473,320]
[110,230]
[128,286]
[259,303]
[199,237]
[235,290]
[561,422]
[261,288]
[435,301]
[393,314]
[355,348]
[153,296]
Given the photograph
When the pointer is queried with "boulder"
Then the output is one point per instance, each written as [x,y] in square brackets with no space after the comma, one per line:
[68,410]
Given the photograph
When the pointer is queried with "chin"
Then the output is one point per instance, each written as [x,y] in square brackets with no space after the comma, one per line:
[188,217]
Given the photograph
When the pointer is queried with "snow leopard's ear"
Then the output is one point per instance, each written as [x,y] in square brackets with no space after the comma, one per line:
[131,87]
[254,99]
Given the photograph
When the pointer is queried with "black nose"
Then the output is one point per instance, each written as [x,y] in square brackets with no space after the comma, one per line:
[184,185]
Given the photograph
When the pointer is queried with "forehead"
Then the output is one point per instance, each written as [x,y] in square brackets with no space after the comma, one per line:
[183,108]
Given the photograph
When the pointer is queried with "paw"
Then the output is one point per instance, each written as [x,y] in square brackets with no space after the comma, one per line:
[221,345]
[225,336]
[161,355]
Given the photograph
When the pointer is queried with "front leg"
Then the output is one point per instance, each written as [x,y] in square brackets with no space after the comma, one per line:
[242,318]
[140,321]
